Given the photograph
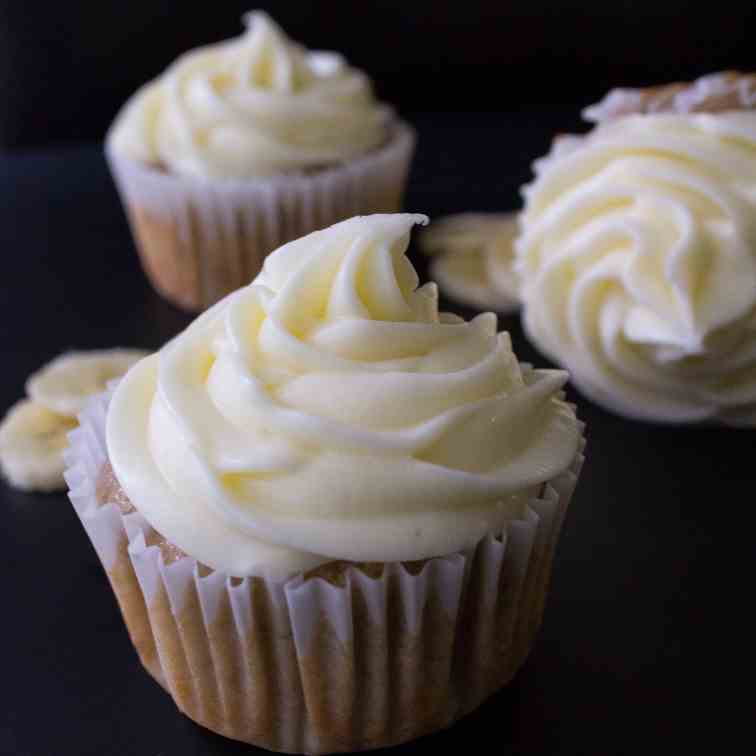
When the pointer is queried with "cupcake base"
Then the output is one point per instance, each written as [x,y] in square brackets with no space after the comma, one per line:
[202,239]
[348,657]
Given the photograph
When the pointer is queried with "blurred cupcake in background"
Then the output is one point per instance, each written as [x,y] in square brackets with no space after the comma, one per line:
[246,144]
[637,257]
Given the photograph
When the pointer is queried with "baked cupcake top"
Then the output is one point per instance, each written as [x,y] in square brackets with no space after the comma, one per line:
[715,93]
[638,253]
[253,106]
[328,411]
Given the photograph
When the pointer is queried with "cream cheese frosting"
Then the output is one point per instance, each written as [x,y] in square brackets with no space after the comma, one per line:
[638,264]
[253,106]
[328,411]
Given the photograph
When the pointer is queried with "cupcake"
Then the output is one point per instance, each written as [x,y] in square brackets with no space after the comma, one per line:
[637,256]
[246,144]
[328,511]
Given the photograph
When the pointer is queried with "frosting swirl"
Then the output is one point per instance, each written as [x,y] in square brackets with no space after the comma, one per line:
[638,264]
[254,106]
[328,411]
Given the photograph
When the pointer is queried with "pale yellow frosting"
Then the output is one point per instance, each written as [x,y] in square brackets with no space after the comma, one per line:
[254,106]
[328,411]
[638,264]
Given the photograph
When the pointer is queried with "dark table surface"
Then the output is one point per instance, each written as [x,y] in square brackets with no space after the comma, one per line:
[647,632]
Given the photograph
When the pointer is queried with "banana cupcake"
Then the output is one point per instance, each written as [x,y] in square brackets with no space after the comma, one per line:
[328,511]
[246,144]
[637,253]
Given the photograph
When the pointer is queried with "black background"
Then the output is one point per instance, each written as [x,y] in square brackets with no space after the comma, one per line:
[647,638]
[65,67]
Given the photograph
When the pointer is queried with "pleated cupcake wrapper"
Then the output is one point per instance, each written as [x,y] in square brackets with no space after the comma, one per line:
[201,239]
[315,665]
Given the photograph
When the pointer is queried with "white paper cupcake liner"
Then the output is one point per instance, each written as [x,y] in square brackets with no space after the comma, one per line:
[202,239]
[317,665]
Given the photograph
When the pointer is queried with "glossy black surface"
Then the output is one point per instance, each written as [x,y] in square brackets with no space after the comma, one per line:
[647,631]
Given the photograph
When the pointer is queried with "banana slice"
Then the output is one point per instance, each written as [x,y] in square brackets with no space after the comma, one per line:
[64,384]
[474,258]
[32,439]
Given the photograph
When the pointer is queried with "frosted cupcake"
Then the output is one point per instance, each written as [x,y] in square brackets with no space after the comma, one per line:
[241,146]
[637,257]
[328,511]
